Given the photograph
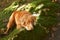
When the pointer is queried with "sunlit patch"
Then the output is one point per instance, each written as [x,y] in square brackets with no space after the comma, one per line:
[21,7]
[36,14]
[15,6]
[39,7]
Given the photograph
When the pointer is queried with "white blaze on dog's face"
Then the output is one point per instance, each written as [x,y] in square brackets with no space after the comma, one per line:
[29,27]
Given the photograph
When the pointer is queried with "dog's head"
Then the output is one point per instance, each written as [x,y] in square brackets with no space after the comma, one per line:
[29,23]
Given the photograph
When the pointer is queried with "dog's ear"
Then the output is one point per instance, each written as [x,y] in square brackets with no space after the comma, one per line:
[34,18]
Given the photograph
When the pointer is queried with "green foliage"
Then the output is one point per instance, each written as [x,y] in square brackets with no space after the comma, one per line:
[4,15]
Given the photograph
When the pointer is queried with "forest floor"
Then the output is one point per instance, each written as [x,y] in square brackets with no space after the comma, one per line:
[57,32]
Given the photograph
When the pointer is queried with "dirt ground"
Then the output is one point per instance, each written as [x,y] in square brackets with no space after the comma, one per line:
[57,33]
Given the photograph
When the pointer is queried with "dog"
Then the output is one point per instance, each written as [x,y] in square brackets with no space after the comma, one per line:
[22,19]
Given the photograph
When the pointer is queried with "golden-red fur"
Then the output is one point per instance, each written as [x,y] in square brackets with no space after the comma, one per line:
[22,19]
